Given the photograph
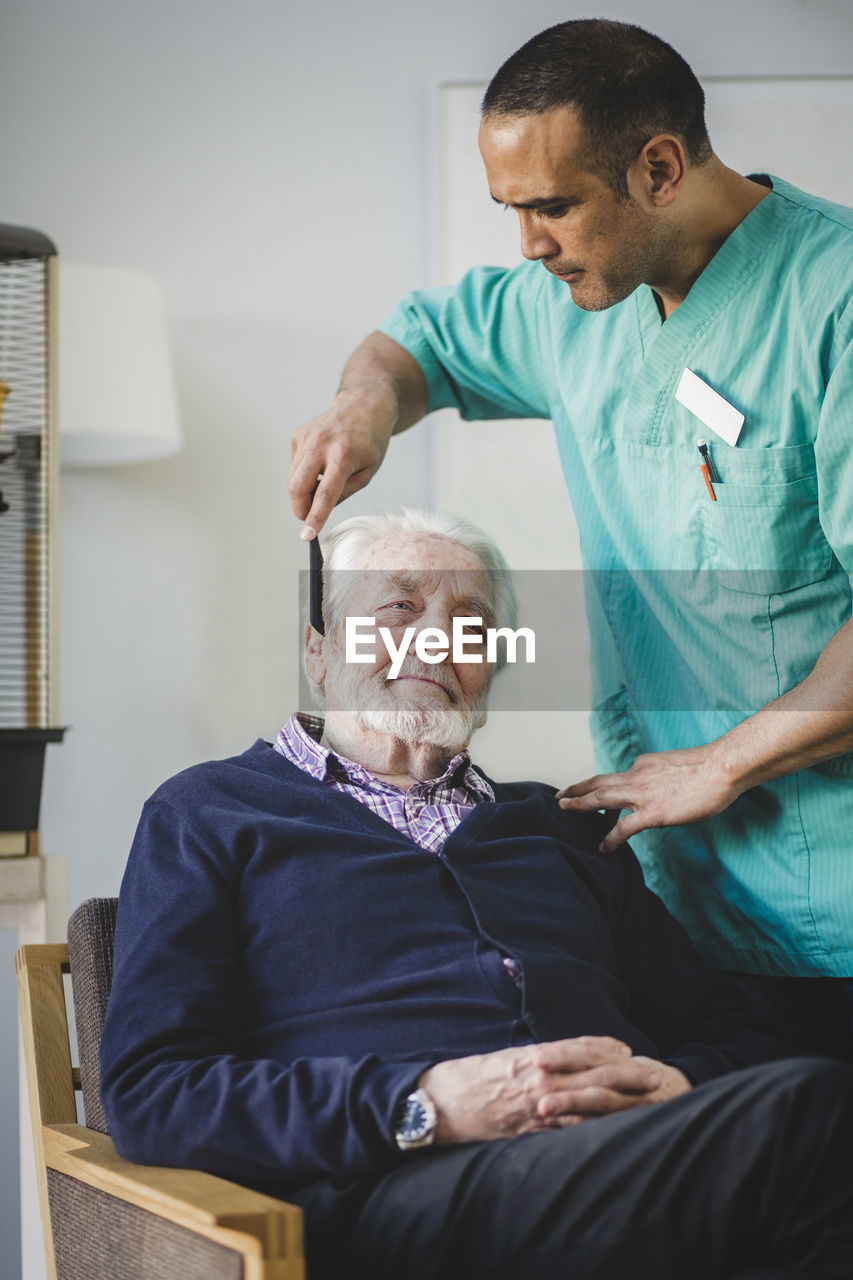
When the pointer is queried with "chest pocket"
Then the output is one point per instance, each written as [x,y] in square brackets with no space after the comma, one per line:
[763,531]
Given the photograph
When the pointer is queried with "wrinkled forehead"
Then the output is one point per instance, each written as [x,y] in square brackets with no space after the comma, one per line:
[421,552]
[422,565]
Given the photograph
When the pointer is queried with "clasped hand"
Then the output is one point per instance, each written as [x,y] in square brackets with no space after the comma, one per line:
[543,1086]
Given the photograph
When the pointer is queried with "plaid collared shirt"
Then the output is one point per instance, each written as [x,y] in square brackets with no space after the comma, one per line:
[427,813]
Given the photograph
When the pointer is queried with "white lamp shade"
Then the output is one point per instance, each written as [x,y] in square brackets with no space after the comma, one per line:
[117,400]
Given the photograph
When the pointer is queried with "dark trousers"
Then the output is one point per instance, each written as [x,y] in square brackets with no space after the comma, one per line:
[754,1170]
[811,1015]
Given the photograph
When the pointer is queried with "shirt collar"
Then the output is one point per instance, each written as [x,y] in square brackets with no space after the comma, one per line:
[299,742]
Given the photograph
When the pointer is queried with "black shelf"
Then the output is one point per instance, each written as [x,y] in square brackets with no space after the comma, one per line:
[21,772]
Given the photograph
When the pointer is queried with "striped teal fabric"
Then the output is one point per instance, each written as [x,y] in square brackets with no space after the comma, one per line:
[701,612]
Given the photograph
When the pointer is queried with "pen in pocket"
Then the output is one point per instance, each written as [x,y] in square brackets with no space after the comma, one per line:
[709,471]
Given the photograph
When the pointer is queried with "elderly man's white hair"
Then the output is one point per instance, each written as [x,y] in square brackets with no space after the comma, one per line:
[347,545]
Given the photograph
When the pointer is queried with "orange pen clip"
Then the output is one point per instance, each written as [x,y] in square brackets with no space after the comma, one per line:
[707,480]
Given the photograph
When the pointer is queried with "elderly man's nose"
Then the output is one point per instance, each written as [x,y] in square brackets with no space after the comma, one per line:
[438,619]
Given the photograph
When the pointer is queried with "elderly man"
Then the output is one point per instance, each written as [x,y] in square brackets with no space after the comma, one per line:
[352,970]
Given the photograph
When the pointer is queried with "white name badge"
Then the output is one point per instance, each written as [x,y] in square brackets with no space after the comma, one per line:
[709,406]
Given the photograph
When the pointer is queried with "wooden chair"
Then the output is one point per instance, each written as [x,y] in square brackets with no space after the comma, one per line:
[103,1217]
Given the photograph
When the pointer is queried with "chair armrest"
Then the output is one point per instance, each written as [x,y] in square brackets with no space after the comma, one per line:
[267,1231]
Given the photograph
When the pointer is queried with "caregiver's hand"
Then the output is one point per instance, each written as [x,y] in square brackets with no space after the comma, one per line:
[663,789]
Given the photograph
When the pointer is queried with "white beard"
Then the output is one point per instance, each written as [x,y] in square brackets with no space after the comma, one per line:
[447,727]
[370,704]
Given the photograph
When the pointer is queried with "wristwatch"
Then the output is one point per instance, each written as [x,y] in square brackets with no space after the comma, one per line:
[414,1122]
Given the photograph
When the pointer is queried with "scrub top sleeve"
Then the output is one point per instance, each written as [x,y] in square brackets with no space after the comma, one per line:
[478,342]
[834,446]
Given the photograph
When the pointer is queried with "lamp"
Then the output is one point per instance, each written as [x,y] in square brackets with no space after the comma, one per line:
[117,400]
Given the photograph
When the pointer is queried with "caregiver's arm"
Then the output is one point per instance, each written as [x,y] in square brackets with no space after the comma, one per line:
[383,391]
[811,722]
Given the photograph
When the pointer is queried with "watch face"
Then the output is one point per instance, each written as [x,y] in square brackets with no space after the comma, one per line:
[414,1121]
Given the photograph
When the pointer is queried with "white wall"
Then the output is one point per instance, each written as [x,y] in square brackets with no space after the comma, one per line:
[268,162]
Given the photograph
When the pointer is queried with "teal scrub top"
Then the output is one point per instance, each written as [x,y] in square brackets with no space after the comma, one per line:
[700,612]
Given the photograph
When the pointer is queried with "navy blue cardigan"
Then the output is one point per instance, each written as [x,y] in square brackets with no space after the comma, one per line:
[287,964]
